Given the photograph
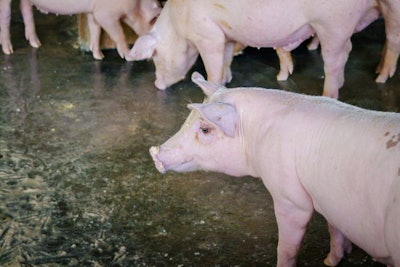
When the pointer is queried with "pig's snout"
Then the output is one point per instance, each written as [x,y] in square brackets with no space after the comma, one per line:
[154,150]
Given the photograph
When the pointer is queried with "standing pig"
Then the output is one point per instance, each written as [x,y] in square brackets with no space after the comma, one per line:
[137,14]
[311,153]
[5,20]
[210,28]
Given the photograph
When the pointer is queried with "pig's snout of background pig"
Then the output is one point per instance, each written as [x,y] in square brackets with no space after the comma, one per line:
[154,150]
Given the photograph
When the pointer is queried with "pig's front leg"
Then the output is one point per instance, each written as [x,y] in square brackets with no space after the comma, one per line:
[95,34]
[339,244]
[212,52]
[5,20]
[387,65]
[30,31]
[292,221]
[286,64]
[114,28]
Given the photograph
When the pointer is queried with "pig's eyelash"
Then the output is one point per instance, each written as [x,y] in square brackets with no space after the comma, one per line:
[205,130]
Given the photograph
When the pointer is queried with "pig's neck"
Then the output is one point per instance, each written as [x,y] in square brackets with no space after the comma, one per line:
[65,7]
[260,126]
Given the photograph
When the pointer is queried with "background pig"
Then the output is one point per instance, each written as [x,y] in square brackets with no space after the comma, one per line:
[5,20]
[311,153]
[137,14]
[210,29]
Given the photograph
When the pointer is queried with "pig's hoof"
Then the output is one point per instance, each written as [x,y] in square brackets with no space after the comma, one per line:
[282,76]
[381,78]
[129,58]
[312,46]
[34,42]
[98,55]
[385,74]
[7,49]
[160,85]
[334,94]
[330,262]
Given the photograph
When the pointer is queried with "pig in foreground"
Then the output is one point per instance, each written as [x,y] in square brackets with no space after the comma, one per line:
[211,29]
[5,20]
[139,15]
[311,153]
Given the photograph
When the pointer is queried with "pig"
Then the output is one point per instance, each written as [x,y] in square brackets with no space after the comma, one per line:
[139,15]
[210,28]
[5,20]
[311,152]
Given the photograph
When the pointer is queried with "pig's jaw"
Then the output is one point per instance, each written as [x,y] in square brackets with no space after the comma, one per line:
[159,165]
[182,166]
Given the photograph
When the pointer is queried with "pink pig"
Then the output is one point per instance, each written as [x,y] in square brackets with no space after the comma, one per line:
[139,15]
[210,28]
[312,153]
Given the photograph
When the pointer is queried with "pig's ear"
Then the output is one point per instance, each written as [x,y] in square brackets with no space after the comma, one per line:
[207,87]
[222,115]
[144,47]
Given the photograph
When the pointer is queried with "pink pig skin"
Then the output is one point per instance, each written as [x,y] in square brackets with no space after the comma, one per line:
[5,19]
[187,28]
[137,14]
[312,153]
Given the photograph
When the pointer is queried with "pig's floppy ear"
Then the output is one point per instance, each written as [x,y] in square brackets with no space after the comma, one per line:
[222,115]
[144,47]
[207,87]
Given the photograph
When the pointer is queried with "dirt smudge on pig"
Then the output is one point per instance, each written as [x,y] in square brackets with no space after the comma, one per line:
[394,140]
[225,24]
[220,6]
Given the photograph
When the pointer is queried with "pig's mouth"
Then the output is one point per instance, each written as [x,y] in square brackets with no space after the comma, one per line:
[159,165]
[162,167]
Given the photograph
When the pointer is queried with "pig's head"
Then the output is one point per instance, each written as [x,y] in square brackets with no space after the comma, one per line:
[208,140]
[173,55]
[146,14]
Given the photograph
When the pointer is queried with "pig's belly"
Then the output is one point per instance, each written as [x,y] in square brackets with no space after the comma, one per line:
[63,7]
[363,228]
[287,39]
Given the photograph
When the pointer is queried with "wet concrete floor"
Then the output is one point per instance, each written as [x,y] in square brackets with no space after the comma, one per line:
[78,187]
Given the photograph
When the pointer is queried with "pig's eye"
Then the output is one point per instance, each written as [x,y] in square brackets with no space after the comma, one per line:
[205,130]
[153,20]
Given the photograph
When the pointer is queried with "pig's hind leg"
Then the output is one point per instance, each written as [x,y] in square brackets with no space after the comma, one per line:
[285,64]
[391,13]
[114,28]
[95,34]
[5,20]
[216,56]
[339,244]
[387,65]
[28,17]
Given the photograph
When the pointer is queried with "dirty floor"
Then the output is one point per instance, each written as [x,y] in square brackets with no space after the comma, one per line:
[78,187]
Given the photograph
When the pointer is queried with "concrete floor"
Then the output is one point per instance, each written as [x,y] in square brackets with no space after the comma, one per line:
[78,187]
